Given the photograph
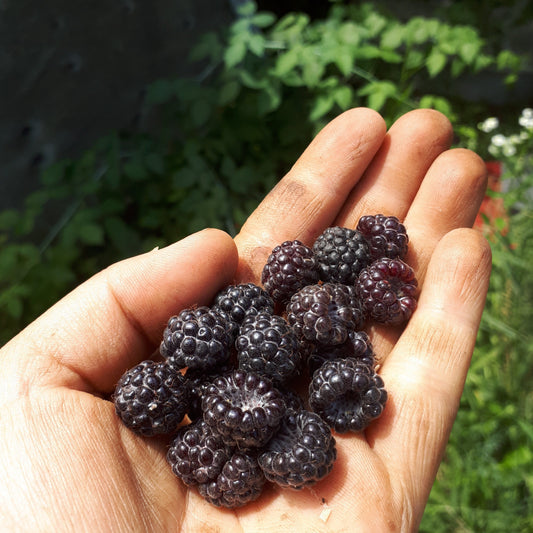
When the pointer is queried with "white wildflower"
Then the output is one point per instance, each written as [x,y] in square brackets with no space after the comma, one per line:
[489,124]
[509,150]
[498,140]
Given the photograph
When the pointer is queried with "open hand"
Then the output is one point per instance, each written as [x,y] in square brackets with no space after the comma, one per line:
[68,464]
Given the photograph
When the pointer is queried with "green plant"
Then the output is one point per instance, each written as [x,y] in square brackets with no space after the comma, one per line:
[223,139]
[486,480]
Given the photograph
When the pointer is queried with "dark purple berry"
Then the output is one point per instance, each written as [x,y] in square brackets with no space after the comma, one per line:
[151,398]
[301,453]
[199,338]
[341,253]
[240,301]
[244,408]
[290,266]
[325,313]
[196,455]
[268,346]
[386,236]
[388,289]
[241,481]
[347,394]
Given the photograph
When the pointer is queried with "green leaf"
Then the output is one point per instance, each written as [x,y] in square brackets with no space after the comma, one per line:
[393,37]
[256,44]
[435,62]
[468,51]
[343,96]
[247,9]
[91,234]
[378,93]
[287,61]
[235,53]
[457,67]
[322,105]
[250,80]
[229,92]
[263,19]
[269,99]
[344,60]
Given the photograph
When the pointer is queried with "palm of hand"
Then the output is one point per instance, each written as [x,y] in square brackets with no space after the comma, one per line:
[78,463]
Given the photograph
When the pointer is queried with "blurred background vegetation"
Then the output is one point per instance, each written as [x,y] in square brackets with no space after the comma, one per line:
[212,144]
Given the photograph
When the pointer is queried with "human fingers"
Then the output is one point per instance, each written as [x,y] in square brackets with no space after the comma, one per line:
[116,318]
[310,196]
[448,198]
[425,372]
[392,179]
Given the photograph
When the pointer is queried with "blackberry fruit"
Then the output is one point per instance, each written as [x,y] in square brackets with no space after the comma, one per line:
[347,394]
[198,338]
[239,301]
[386,236]
[291,266]
[387,288]
[357,346]
[196,455]
[241,481]
[341,254]
[268,346]
[244,408]
[301,453]
[325,313]
[151,399]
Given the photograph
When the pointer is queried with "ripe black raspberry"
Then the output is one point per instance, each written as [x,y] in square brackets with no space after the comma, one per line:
[290,266]
[386,236]
[151,398]
[241,481]
[357,346]
[347,394]
[325,313]
[198,338]
[239,301]
[196,455]
[300,453]
[244,408]
[341,254]
[387,288]
[268,346]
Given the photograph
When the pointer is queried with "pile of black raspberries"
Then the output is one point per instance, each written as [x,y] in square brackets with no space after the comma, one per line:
[227,390]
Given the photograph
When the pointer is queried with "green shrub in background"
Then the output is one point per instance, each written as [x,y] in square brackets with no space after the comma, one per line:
[222,140]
